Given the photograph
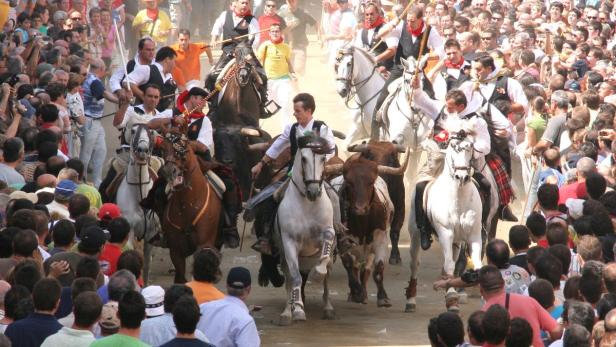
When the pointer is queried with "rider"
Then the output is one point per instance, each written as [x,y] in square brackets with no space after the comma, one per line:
[189,106]
[158,73]
[455,105]
[367,37]
[238,21]
[455,70]
[494,88]
[145,56]
[303,109]
[415,38]
[125,118]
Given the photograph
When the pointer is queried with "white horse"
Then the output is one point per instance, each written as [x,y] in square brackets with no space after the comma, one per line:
[305,222]
[135,187]
[357,79]
[454,207]
[401,122]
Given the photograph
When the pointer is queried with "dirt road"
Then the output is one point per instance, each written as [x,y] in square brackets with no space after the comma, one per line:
[355,324]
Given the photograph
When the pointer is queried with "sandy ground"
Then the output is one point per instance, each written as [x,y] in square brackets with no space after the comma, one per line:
[355,324]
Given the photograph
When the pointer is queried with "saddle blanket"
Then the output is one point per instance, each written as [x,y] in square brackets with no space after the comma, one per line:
[505,192]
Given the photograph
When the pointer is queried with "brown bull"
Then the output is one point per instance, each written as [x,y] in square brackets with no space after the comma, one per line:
[369,212]
[386,153]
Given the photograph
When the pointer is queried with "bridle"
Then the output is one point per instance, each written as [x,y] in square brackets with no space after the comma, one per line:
[316,150]
[134,145]
[354,88]
[416,116]
[461,137]
[248,68]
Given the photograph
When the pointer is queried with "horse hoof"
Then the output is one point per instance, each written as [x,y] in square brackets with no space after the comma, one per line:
[299,315]
[277,280]
[462,298]
[284,320]
[263,279]
[329,315]
[410,308]
[394,260]
[383,302]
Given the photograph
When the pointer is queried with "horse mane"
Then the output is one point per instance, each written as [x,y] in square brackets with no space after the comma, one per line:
[366,54]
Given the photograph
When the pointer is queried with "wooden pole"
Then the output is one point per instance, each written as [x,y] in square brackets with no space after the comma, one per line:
[397,20]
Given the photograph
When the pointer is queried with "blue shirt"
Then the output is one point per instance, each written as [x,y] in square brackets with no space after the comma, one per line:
[158,330]
[32,330]
[227,323]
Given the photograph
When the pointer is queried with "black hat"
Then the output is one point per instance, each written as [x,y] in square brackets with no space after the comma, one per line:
[238,278]
[93,237]
[196,91]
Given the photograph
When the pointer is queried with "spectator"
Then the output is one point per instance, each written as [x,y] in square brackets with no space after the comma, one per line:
[495,325]
[186,315]
[519,240]
[12,154]
[535,222]
[576,335]
[549,268]
[206,272]
[591,283]
[34,329]
[25,242]
[226,322]
[58,208]
[475,329]
[87,309]
[63,236]
[158,330]
[516,278]
[520,333]
[79,285]
[118,236]
[17,304]
[450,329]
[131,311]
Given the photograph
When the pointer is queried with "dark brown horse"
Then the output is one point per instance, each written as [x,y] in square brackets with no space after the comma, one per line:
[240,103]
[190,218]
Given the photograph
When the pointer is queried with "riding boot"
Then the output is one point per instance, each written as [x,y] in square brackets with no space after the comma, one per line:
[506,214]
[102,188]
[230,235]
[264,225]
[485,191]
[421,217]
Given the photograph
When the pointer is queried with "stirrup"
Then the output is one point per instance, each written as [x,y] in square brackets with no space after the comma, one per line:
[270,108]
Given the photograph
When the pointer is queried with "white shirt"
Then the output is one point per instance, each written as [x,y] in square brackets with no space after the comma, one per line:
[61,210]
[514,89]
[253,27]
[68,337]
[227,323]
[160,330]
[118,74]
[44,254]
[389,39]
[141,74]
[205,134]
[281,143]
[131,117]
[432,108]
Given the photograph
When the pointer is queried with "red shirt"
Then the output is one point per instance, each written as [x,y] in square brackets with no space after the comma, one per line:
[265,22]
[569,191]
[109,258]
[543,243]
[529,309]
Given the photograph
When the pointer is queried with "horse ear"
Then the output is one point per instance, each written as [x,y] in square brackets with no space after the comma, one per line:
[405,63]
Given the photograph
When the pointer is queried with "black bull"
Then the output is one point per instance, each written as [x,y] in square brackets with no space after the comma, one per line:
[234,148]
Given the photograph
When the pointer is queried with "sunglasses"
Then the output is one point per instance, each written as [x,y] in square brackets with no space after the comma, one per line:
[270,5]
[589,17]
[486,38]
[76,18]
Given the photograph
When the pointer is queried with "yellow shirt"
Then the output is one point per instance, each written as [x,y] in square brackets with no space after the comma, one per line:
[275,59]
[161,29]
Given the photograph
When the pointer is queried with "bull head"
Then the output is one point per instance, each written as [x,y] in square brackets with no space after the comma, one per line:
[388,170]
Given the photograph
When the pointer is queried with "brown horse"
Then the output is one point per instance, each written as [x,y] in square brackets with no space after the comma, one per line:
[190,218]
[240,103]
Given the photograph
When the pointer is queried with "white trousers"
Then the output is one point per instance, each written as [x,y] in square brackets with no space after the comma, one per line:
[280,90]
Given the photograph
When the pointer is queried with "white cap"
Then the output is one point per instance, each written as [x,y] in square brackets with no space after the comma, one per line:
[575,207]
[154,297]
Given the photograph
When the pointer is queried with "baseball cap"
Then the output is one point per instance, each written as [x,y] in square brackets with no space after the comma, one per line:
[154,297]
[110,211]
[109,322]
[238,278]
[575,207]
[93,237]
[65,189]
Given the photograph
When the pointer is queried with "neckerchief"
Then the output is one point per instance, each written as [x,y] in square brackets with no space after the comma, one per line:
[378,21]
[415,32]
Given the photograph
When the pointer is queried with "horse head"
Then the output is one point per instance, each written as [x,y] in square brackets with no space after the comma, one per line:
[244,58]
[459,155]
[141,143]
[344,70]
[310,157]
[176,149]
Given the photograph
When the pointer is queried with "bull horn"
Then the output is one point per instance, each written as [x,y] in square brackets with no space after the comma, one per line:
[250,132]
[258,147]
[358,147]
[399,148]
[338,134]
[332,169]
[388,170]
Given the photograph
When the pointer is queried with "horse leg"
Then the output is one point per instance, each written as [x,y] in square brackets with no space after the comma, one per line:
[397,220]
[179,263]
[304,280]
[411,290]
[147,260]
[294,278]
[285,317]
[348,260]
[328,308]
[326,254]
[446,240]
[475,243]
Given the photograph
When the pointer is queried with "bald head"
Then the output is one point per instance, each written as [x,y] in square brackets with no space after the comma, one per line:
[46,180]
[97,64]
[4,287]
[585,166]
[610,320]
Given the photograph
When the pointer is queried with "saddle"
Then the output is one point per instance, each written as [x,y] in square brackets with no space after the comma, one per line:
[155,165]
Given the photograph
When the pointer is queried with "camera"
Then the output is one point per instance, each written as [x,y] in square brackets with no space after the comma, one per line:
[12,81]
[470,276]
